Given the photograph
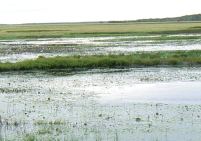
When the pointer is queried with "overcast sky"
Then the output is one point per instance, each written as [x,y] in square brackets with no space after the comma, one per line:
[37,11]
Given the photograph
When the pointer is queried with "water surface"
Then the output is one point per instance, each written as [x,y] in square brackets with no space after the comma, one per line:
[18,50]
[141,103]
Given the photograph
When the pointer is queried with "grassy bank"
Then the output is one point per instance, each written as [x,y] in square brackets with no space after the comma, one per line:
[177,58]
[29,31]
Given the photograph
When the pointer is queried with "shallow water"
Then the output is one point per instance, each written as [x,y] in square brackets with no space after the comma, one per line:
[174,92]
[18,50]
[145,104]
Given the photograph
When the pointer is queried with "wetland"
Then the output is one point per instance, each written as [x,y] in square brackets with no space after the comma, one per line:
[104,82]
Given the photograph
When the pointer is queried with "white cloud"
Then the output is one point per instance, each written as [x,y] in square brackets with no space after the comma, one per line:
[28,11]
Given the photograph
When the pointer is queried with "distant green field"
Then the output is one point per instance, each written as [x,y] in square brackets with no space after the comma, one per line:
[140,59]
[29,31]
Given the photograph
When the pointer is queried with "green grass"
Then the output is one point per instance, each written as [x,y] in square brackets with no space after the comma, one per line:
[29,31]
[176,58]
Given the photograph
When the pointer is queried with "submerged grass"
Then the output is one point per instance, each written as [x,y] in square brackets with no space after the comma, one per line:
[29,137]
[140,59]
[56,122]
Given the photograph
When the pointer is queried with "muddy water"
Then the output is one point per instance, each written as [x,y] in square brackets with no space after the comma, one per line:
[18,50]
[146,104]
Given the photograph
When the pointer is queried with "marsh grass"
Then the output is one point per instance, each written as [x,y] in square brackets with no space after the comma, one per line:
[29,31]
[140,59]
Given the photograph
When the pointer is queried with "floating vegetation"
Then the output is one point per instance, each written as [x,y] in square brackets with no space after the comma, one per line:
[29,137]
[55,122]
[12,90]
[138,119]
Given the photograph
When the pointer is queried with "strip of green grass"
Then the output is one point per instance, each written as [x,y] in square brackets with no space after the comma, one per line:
[177,58]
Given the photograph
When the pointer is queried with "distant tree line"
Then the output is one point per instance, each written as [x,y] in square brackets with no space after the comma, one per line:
[195,17]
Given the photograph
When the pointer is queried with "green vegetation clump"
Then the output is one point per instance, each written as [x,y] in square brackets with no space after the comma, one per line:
[140,59]
[29,137]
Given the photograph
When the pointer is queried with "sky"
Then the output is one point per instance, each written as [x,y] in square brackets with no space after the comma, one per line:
[44,11]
